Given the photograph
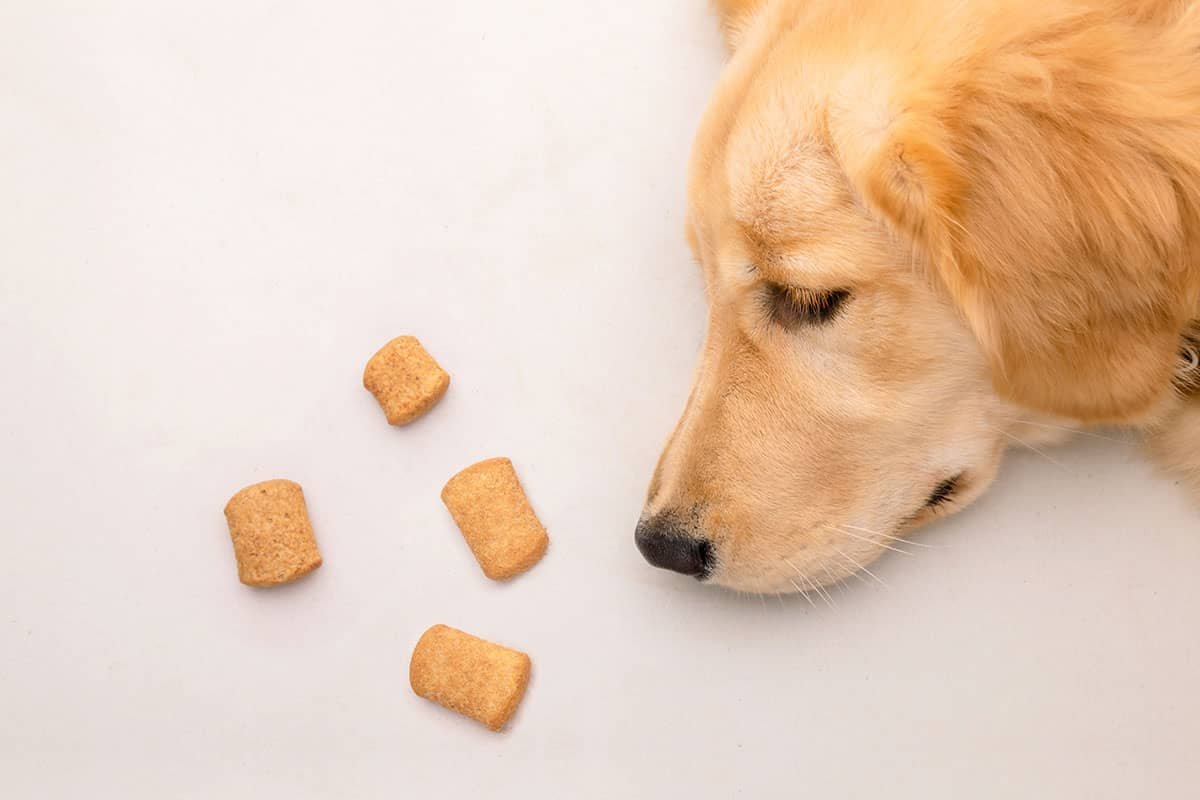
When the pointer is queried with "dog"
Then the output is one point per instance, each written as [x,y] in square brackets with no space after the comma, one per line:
[929,231]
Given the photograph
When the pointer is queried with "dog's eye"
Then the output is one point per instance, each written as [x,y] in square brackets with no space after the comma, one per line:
[792,307]
[944,492]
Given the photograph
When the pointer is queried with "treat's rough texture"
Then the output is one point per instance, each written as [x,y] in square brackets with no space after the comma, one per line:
[405,380]
[272,537]
[491,510]
[478,679]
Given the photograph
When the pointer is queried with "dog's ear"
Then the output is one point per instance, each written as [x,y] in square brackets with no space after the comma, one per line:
[1052,187]
[736,16]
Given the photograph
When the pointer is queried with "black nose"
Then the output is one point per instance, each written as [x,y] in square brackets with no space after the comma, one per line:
[664,545]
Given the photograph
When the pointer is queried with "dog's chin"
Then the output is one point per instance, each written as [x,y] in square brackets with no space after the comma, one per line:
[788,576]
[781,580]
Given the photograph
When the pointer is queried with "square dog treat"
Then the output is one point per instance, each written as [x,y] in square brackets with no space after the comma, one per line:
[478,679]
[272,537]
[491,510]
[405,380]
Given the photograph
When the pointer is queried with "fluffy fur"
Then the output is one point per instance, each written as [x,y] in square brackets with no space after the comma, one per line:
[1010,192]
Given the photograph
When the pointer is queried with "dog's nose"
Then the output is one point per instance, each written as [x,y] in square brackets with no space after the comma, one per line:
[665,546]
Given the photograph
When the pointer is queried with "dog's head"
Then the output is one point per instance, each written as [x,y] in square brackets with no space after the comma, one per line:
[919,232]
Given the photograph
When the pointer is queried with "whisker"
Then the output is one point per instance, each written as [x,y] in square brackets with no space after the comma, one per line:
[803,593]
[832,581]
[1068,429]
[800,574]
[824,595]
[854,573]
[858,565]
[872,541]
[1026,444]
[890,537]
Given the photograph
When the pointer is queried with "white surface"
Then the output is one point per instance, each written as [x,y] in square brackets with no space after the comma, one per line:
[211,214]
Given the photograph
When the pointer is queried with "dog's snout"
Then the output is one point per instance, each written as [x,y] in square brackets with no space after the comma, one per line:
[665,545]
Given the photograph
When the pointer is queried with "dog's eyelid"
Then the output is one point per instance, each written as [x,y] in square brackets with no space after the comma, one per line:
[792,306]
[944,491]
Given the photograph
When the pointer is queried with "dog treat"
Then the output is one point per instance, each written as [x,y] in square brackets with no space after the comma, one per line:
[405,380]
[478,679]
[272,537]
[491,510]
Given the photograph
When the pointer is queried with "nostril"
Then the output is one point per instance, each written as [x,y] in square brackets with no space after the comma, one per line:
[668,548]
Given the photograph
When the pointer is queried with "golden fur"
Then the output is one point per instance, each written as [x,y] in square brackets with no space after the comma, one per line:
[1010,192]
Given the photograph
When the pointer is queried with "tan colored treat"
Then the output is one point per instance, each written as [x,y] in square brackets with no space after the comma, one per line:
[487,502]
[478,679]
[272,537]
[405,380]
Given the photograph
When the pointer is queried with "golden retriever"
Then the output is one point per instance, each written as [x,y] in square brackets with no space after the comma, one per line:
[928,230]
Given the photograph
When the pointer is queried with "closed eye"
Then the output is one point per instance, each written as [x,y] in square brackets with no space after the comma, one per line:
[944,492]
[792,307]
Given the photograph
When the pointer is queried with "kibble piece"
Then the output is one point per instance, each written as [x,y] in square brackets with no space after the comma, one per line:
[476,678]
[405,380]
[490,508]
[272,536]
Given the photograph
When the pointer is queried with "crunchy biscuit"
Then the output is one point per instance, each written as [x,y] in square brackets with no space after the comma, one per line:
[494,515]
[405,380]
[272,536]
[463,673]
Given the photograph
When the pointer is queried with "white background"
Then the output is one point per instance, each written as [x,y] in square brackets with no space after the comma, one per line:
[212,214]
